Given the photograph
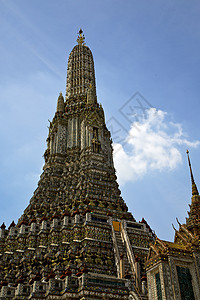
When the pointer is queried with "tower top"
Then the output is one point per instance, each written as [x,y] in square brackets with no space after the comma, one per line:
[194,187]
[60,103]
[193,222]
[80,71]
[81,38]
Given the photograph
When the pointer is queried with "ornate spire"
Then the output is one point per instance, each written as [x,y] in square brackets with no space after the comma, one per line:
[80,71]
[194,187]
[81,38]
[60,103]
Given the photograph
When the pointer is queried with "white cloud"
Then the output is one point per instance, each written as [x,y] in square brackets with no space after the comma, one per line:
[154,144]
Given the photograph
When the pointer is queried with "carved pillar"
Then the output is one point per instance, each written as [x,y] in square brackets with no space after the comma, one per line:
[77,218]
[144,285]
[65,221]
[137,271]
[88,217]
[44,225]
[33,226]
[22,229]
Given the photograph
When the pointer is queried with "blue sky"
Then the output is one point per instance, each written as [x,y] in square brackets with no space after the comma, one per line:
[145,48]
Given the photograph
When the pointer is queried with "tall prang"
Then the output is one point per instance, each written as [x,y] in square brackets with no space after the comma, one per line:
[78,173]
[76,239]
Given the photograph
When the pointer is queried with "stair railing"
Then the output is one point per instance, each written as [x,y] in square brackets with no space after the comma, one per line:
[117,257]
[130,254]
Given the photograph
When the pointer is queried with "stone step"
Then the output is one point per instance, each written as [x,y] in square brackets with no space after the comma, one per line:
[122,249]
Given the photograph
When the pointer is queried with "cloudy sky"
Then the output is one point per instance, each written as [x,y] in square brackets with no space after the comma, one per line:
[147,66]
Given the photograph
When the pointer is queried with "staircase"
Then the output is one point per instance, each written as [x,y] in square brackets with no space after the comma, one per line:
[122,250]
[120,247]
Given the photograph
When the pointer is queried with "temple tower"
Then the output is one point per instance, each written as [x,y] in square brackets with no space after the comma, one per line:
[79,149]
[76,239]
[193,221]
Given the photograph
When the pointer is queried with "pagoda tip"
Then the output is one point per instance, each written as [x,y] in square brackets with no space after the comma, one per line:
[81,38]
[194,187]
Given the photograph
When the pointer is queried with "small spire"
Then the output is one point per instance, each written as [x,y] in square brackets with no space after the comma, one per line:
[3,226]
[60,103]
[81,38]
[173,227]
[178,221]
[194,187]
[12,225]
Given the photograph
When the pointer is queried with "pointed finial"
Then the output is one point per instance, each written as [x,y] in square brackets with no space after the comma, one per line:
[3,226]
[173,227]
[194,187]
[81,38]
[60,103]
[12,225]
[178,221]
